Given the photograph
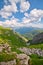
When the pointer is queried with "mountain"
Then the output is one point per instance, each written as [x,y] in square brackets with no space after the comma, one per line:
[10,42]
[32,33]
[24,30]
[38,38]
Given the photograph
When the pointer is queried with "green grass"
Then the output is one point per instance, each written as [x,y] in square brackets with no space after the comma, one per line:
[7,57]
[35,56]
[38,46]
[36,60]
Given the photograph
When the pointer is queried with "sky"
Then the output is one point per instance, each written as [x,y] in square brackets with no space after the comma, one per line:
[21,13]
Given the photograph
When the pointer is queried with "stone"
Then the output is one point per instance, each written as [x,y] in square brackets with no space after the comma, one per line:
[29,51]
[24,59]
[5,47]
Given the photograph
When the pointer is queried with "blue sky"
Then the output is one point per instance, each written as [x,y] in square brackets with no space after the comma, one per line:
[21,13]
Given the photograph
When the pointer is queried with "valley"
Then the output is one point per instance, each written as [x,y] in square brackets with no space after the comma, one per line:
[14,49]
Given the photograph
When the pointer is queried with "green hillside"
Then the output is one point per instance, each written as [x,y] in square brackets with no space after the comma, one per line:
[7,35]
[38,46]
[15,40]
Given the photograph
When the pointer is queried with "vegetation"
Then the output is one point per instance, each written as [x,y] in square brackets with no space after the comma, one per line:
[36,60]
[7,35]
[7,57]
[38,46]
[15,41]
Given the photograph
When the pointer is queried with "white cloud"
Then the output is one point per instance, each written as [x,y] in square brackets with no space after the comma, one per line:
[24,6]
[33,19]
[25,20]
[8,9]
[34,16]
[13,22]
[38,25]
[36,13]
[26,14]
[5,14]
[12,7]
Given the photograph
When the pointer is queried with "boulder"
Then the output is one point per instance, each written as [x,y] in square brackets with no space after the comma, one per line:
[24,59]
[5,47]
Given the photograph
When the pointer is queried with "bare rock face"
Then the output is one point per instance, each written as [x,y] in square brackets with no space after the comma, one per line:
[38,38]
[5,47]
[24,59]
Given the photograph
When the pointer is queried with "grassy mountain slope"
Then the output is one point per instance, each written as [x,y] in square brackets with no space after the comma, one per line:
[15,40]
[12,38]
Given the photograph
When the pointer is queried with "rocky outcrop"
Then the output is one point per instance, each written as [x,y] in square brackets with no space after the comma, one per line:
[24,59]
[21,59]
[5,47]
[38,38]
[29,51]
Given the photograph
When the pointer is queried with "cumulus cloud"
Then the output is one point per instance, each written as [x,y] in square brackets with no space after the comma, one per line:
[25,20]
[24,6]
[33,19]
[13,22]
[36,13]
[8,9]
[34,16]
[5,14]
[26,14]
[12,7]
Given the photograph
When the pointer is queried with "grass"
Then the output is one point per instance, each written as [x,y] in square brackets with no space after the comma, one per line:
[38,46]
[35,56]
[36,60]
[7,57]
